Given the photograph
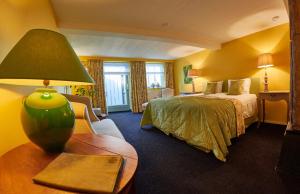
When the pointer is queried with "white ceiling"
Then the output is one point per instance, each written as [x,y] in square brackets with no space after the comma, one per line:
[164,29]
[87,43]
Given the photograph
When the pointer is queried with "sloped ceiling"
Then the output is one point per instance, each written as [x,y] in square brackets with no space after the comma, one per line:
[158,27]
[87,43]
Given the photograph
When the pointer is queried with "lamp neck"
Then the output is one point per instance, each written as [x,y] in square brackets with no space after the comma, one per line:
[193,85]
[266,87]
[46,83]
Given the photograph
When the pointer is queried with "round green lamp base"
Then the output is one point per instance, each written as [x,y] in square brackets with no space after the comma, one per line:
[48,119]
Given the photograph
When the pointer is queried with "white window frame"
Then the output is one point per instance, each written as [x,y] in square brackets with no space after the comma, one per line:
[162,73]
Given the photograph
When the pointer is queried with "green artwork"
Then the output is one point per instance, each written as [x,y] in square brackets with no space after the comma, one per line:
[187,80]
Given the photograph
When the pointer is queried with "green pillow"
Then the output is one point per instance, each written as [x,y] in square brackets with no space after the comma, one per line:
[235,87]
[211,88]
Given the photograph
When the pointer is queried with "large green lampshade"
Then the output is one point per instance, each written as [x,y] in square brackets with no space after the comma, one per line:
[44,57]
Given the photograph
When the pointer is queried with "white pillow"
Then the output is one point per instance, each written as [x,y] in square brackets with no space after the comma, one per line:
[218,88]
[245,87]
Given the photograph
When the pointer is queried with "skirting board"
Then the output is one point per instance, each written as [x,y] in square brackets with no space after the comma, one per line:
[275,122]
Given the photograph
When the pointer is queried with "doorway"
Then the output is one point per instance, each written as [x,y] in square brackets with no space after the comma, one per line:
[116,79]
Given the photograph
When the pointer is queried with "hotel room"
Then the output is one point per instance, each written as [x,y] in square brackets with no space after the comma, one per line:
[149,97]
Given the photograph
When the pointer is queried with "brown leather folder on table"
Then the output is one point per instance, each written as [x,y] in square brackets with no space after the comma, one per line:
[82,173]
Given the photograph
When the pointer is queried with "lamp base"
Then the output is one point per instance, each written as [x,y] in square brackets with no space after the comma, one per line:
[48,119]
[51,148]
[266,88]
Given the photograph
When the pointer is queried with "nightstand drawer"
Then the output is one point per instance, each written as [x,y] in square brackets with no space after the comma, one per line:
[274,96]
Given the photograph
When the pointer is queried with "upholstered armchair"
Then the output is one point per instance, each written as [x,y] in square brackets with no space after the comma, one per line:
[87,121]
[158,93]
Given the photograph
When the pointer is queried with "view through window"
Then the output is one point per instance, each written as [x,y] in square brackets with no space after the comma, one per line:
[155,75]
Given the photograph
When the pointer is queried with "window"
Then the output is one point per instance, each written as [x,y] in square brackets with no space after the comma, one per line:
[155,75]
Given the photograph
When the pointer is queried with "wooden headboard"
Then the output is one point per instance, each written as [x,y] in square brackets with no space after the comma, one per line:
[254,88]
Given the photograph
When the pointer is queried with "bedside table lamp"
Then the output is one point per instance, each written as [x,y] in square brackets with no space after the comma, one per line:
[45,58]
[193,73]
[265,61]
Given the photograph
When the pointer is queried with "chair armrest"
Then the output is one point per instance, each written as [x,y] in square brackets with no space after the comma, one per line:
[80,110]
[84,100]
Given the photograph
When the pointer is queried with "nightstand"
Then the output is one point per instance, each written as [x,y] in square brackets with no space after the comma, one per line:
[271,96]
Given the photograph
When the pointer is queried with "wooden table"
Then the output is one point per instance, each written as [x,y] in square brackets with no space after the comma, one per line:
[18,166]
[271,96]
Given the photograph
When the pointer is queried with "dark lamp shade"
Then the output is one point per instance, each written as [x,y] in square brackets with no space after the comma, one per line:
[43,55]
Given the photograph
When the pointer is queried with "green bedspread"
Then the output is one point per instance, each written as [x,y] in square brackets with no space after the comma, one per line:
[206,123]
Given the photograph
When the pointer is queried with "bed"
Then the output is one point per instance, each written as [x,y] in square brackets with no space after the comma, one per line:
[207,122]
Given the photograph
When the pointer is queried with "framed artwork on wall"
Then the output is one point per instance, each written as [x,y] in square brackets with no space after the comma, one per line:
[187,80]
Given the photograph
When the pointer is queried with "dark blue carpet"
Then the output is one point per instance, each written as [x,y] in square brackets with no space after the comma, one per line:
[170,166]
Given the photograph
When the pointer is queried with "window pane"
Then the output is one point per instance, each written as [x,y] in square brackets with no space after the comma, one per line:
[115,81]
[155,75]
[154,67]
[115,89]
[113,67]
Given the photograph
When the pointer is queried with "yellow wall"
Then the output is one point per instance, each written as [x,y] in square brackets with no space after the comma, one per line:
[16,18]
[238,59]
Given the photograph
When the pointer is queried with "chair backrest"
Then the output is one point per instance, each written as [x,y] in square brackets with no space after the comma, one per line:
[84,100]
[153,93]
[167,92]
[160,93]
